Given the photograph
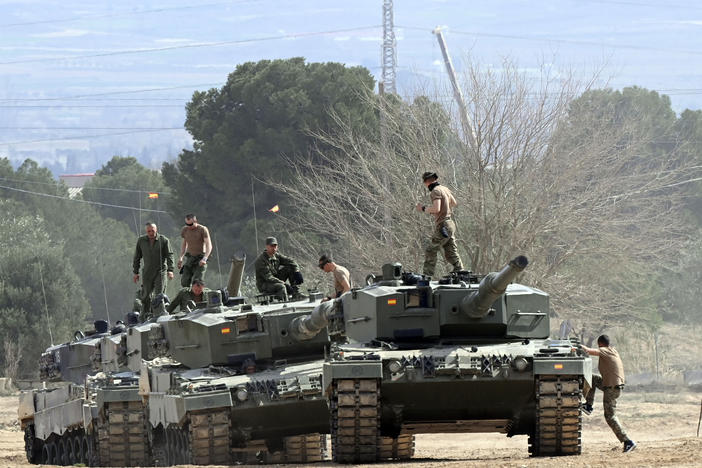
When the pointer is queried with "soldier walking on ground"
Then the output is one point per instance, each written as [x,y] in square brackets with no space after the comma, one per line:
[156,251]
[443,237]
[342,278]
[611,382]
[273,269]
[194,251]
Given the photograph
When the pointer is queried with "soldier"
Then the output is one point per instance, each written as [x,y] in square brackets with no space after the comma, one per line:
[196,293]
[194,251]
[273,269]
[442,201]
[156,251]
[611,382]
[342,278]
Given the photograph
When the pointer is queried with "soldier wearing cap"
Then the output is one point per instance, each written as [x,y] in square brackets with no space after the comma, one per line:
[443,237]
[273,269]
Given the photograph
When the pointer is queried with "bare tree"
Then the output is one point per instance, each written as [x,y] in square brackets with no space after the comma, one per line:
[13,356]
[588,196]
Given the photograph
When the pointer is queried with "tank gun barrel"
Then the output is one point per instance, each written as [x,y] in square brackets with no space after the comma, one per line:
[307,327]
[478,304]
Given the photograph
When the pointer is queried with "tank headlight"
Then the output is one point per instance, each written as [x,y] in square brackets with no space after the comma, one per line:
[520,363]
[394,366]
[242,394]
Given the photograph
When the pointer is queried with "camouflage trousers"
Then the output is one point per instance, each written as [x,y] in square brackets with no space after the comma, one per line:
[448,244]
[192,270]
[281,290]
[609,402]
[150,288]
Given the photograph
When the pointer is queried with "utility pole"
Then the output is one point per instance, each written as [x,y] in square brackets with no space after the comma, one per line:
[389,57]
[457,93]
[387,84]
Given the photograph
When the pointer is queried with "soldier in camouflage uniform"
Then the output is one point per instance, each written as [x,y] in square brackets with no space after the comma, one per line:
[156,251]
[611,382]
[443,237]
[273,269]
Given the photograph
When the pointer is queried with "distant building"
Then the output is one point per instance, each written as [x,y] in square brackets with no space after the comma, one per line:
[75,182]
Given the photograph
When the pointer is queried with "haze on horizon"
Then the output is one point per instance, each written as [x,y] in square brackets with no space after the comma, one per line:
[84,81]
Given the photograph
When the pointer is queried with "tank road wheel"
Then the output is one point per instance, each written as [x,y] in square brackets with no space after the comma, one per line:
[122,435]
[32,445]
[70,456]
[170,447]
[61,452]
[76,441]
[209,438]
[48,453]
[558,422]
[355,419]
[396,448]
[159,451]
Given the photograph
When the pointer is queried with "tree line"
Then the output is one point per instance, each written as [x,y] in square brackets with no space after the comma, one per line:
[598,187]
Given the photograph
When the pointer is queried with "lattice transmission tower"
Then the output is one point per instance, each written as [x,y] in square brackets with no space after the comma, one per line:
[389,56]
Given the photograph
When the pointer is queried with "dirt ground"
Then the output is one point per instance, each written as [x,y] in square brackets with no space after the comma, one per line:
[663,424]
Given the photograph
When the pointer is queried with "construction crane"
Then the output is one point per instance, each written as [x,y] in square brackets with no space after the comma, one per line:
[457,93]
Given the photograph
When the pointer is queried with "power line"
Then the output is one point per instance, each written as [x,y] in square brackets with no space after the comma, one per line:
[84,137]
[91,128]
[112,93]
[193,46]
[655,5]
[117,15]
[561,41]
[90,106]
[77,200]
[54,184]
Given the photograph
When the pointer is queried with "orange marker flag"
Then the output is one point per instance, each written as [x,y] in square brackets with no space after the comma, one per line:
[153,195]
[275,209]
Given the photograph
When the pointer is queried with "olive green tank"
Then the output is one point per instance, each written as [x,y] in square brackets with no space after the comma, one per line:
[220,382]
[466,354]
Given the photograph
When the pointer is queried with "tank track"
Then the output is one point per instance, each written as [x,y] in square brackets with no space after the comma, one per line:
[306,448]
[355,420]
[209,438]
[558,422]
[400,448]
[122,436]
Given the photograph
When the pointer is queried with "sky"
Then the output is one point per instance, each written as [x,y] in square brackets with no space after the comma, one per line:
[82,81]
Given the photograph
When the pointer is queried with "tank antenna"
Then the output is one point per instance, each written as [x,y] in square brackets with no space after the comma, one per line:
[253,203]
[219,266]
[104,289]
[46,306]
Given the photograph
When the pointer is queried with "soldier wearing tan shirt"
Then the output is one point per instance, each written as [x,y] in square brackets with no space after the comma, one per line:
[444,235]
[611,382]
[342,278]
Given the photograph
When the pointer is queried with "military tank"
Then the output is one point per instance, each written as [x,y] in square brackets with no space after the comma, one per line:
[465,354]
[219,382]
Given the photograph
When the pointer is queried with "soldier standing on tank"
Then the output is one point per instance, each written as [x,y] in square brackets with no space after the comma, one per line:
[342,277]
[156,251]
[194,251]
[443,237]
[611,382]
[273,269]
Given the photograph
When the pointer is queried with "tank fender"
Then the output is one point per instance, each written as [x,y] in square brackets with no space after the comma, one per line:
[26,406]
[555,366]
[350,370]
